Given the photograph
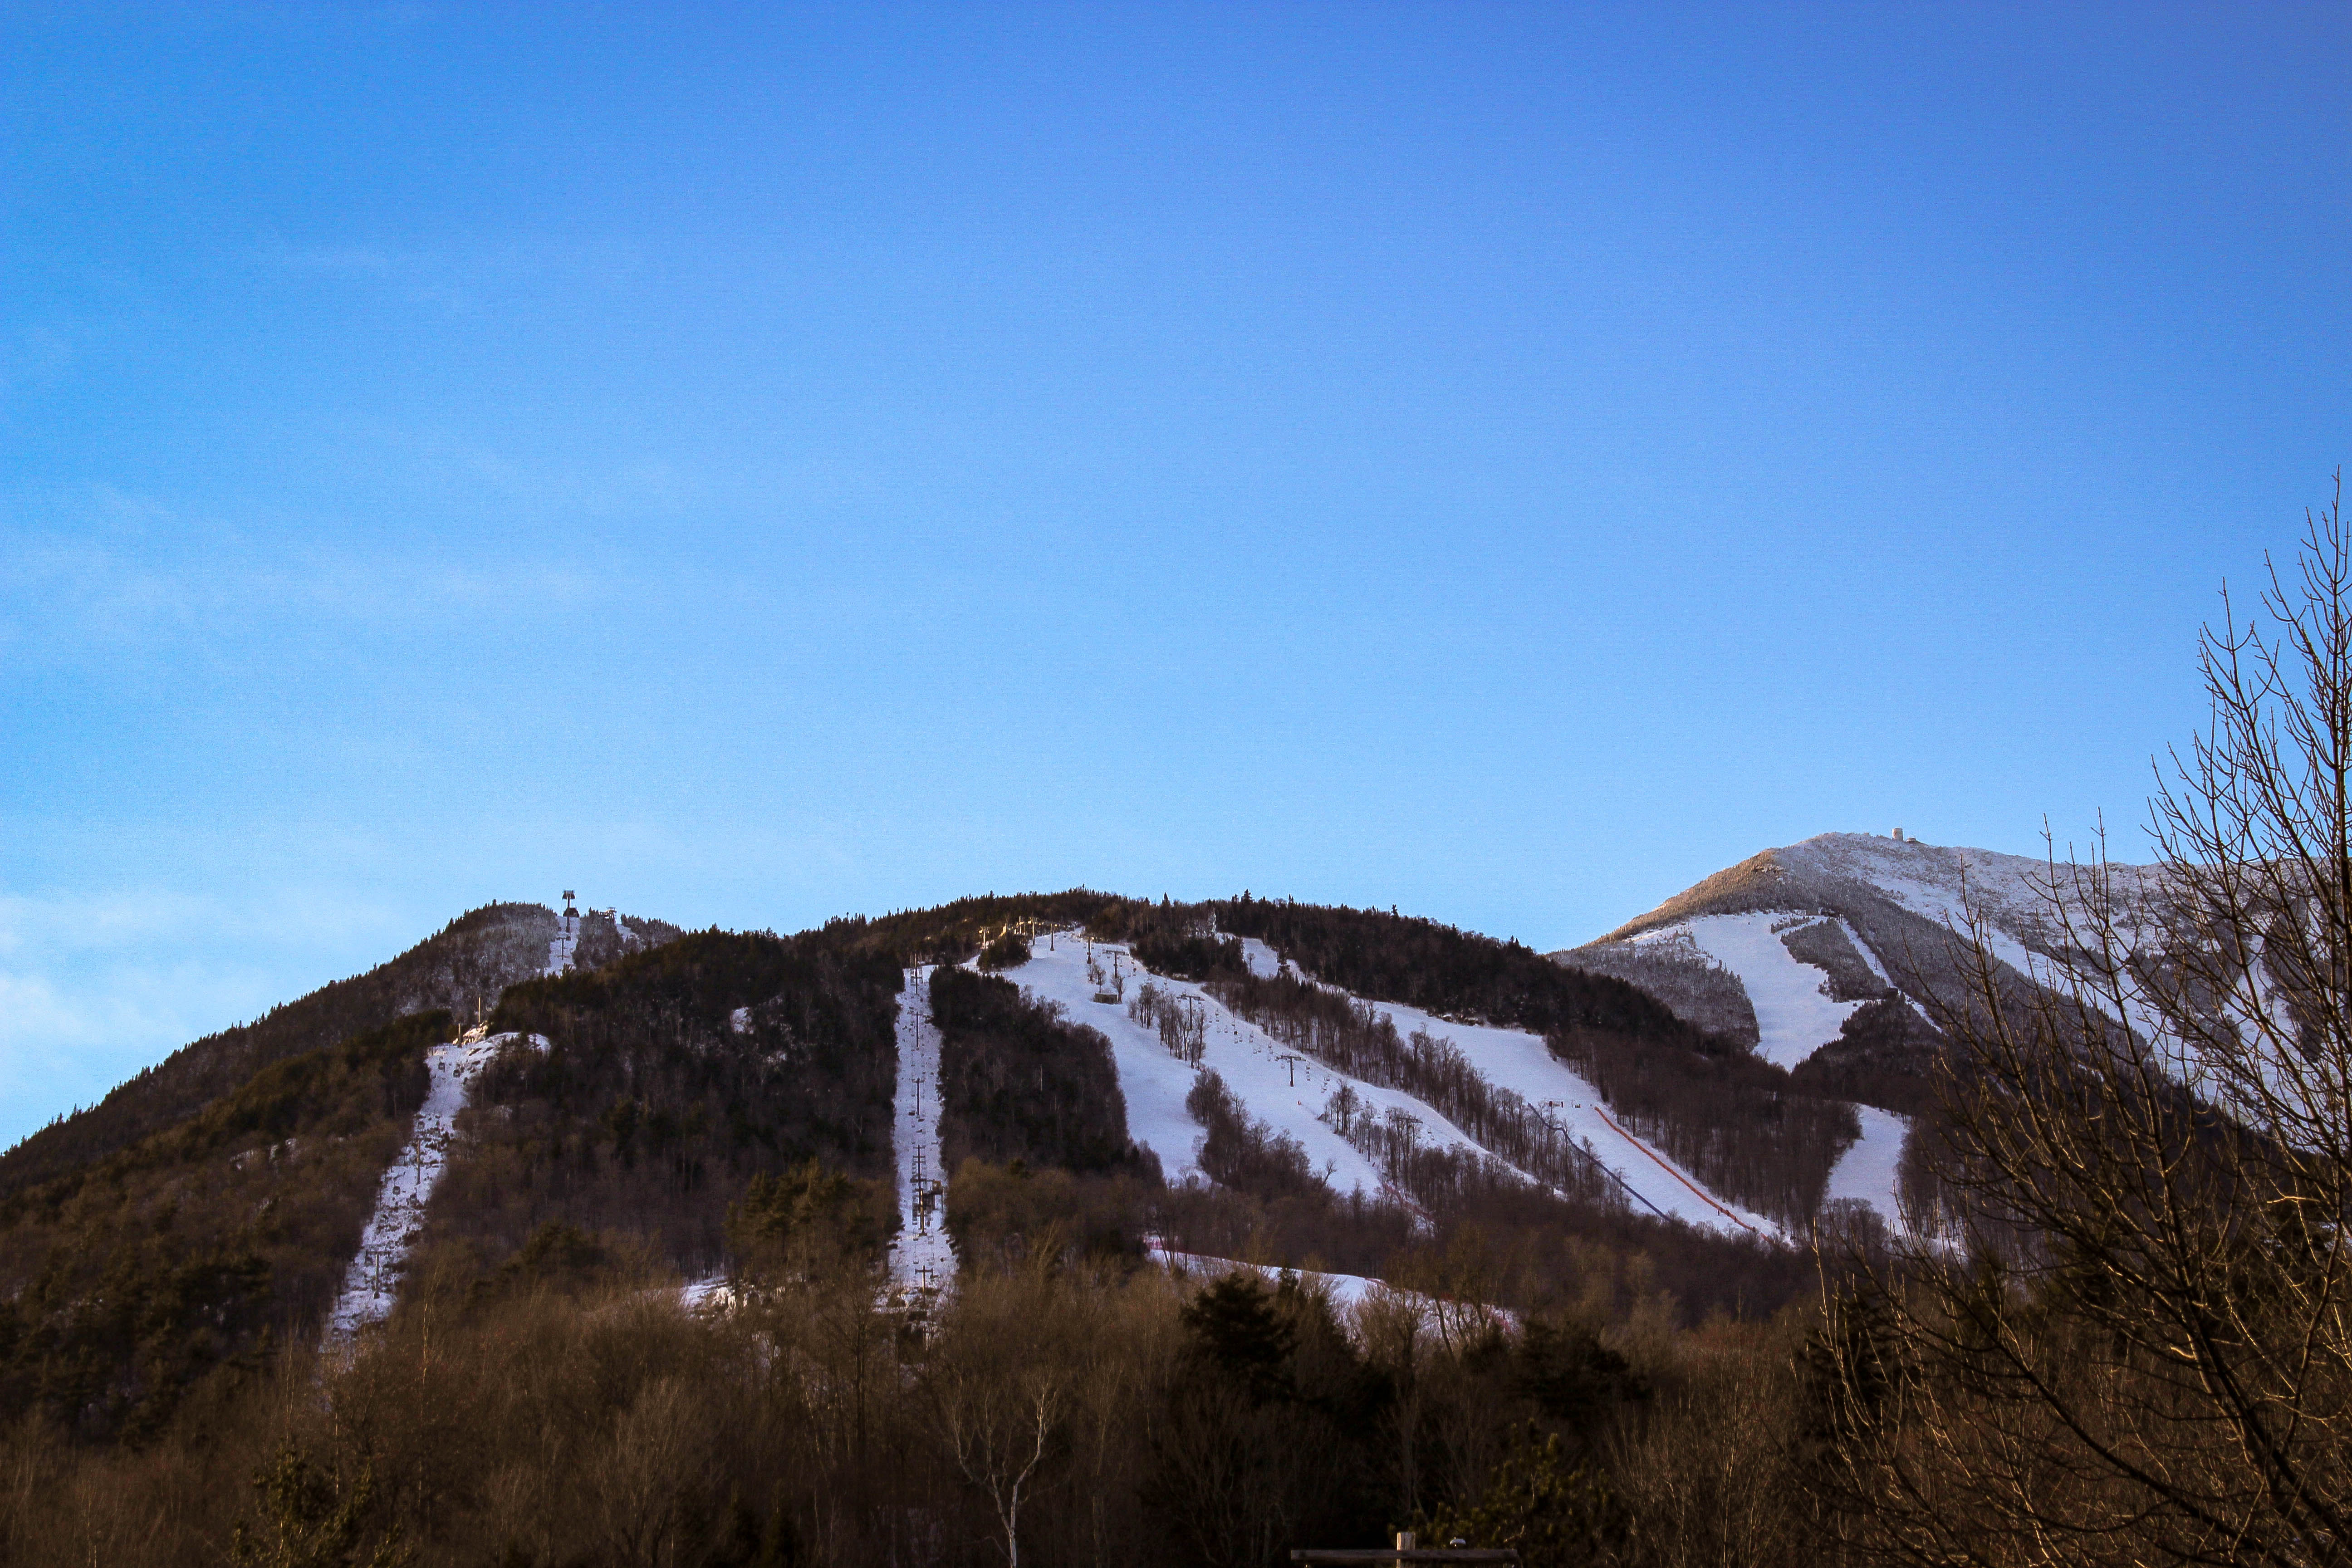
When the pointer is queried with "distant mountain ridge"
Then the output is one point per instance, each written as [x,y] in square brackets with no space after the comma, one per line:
[1831,956]
[1930,880]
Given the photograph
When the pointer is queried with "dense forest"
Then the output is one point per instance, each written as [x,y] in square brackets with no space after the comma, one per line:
[671,1078]
[126,1284]
[1439,969]
[1051,1413]
[1018,1082]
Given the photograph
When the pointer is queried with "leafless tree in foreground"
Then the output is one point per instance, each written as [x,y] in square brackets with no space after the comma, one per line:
[1001,1392]
[2130,1341]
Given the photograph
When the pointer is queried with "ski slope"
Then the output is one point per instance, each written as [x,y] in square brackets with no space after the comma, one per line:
[1522,1063]
[1289,1096]
[920,1257]
[373,1280]
[1348,1294]
[1795,1015]
[1869,1172]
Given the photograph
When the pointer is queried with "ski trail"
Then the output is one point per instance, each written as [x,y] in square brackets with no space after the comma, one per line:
[373,1280]
[1291,1091]
[920,1258]
[1871,1171]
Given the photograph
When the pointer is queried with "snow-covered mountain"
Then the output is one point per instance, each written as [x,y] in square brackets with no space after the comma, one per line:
[1833,954]
[1313,1086]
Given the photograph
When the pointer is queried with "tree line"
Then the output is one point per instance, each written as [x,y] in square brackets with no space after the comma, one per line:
[1051,1413]
[128,1285]
[470,961]
[1019,1080]
[671,1078]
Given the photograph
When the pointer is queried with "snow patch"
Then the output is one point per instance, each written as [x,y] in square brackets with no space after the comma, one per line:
[1348,1294]
[566,945]
[712,1293]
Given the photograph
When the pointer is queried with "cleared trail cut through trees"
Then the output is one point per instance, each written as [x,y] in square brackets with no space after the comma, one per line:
[372,1283]
[920,1258]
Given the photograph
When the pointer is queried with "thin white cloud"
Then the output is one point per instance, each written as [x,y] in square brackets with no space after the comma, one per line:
[106,573]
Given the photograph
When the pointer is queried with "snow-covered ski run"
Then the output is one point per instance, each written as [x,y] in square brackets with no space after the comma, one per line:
[1289,1091]
[920,1258]
[373,1282]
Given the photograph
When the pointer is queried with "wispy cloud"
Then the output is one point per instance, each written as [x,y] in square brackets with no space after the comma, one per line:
[95,985]
[93,988]
[628,487]
[139,922]
[103,573]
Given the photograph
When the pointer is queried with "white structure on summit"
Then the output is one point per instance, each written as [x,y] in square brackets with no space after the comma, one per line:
[567,937]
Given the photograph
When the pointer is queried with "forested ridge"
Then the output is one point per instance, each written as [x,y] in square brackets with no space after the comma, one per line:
[466,965]
[1441,969]
[722,1103]
[124,1284]
[1019,1081]
[670,1079]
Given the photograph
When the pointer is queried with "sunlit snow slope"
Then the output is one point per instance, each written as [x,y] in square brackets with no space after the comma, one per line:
[1790,946]
[1289,1096]
[1867,1172]
[1794,1013]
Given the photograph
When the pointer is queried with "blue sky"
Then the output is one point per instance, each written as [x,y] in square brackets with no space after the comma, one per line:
[750,464]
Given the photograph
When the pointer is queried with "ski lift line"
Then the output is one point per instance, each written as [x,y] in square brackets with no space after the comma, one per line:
[1601,1166]
[1678,1176]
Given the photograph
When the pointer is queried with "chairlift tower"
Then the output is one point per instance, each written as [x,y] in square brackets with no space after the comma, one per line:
[567,937]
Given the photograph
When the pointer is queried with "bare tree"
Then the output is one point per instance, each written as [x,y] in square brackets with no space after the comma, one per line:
[1001,1388]
[2130,1341]
[998,1432]
[646,1473]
